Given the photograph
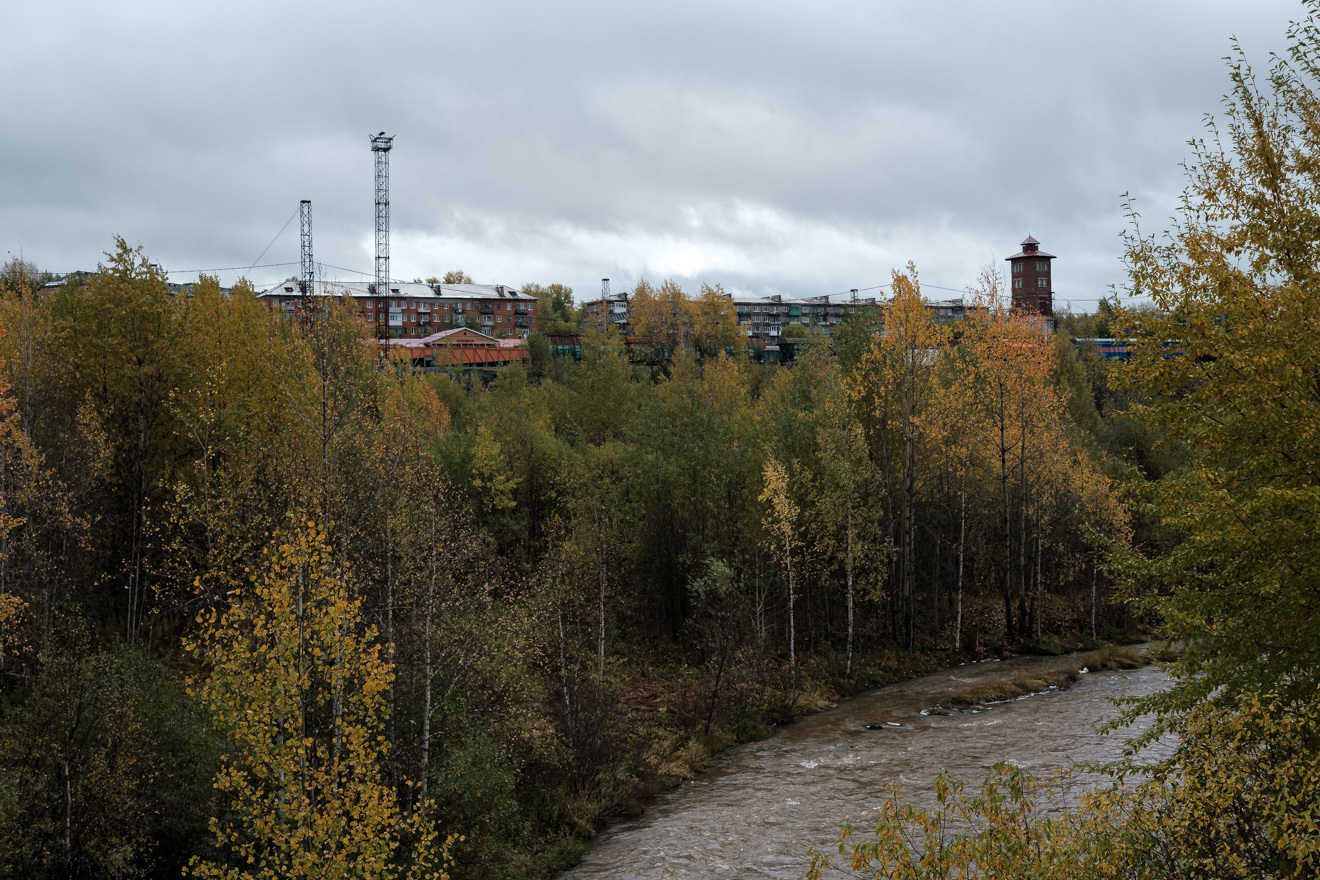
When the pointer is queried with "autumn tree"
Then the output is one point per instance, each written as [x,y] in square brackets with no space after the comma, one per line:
[704,325]
[1224,379]
[38,524]
[20,279]
[1226,367]
[782,529]
[297,684]
[892,386]
[955,425]
[126,330]
[714,321]
[840,501]
[1011,356]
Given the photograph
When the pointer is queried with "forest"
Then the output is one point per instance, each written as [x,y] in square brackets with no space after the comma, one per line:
[274,606]
[245,561]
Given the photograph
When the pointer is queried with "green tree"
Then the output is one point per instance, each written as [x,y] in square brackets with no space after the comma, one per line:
[555,313]
[1236,286]
[104,770]
[127,331]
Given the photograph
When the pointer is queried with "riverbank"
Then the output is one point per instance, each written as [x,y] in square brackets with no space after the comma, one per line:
[755,812]
[681,726]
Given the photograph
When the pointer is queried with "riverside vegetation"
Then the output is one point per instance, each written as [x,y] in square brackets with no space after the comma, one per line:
[273,607]
[1235,792]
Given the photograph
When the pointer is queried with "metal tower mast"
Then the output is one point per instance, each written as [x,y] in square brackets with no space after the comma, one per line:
[381,145]
[604,288]
[308,277]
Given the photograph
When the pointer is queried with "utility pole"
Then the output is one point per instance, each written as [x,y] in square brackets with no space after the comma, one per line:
[308,276]
[381,146]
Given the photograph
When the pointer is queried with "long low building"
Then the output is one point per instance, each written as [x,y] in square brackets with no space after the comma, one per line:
[765,317]
[458,347]
[416,310]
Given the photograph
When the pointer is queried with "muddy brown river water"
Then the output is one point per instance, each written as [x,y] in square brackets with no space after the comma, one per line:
[764,804]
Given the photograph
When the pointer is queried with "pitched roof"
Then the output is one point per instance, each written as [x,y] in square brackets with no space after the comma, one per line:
[444,335]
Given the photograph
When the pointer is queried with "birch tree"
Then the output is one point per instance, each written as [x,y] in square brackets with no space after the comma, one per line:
[297,683]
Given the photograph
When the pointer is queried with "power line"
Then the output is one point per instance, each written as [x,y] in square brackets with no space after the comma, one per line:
[342,269]
[277,235]
[227,268]
[891,284]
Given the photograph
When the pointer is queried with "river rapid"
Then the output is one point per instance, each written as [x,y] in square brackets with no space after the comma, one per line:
[759,809]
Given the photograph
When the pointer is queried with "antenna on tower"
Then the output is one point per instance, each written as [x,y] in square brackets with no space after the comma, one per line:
[854,298]
[381,146]
[308,276]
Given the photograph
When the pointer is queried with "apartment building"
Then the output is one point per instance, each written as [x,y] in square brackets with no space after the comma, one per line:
[416,310]
[765,317]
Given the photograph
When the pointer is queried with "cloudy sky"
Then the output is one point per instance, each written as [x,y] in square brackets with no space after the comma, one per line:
[796,148]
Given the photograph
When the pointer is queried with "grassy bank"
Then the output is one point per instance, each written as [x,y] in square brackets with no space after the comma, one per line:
[1098,660]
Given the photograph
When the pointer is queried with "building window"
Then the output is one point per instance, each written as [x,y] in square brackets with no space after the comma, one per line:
[1017,282]
[1042,267]
[1042,282]
[1018,267]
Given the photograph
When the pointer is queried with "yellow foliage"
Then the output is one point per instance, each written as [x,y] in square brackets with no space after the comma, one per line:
[491,472]
[707,324]
[297,684]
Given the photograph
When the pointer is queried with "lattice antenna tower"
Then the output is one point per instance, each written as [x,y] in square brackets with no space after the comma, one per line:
[381,146]
[307,278]
[604,288]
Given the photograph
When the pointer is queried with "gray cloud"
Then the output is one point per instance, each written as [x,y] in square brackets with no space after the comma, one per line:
[771,147]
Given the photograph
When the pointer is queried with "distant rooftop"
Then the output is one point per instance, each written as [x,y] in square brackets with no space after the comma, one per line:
[404,290]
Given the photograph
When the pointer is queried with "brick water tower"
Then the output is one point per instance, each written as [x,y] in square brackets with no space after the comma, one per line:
[1030,280]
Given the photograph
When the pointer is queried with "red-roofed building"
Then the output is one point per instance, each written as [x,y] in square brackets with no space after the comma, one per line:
[460,347]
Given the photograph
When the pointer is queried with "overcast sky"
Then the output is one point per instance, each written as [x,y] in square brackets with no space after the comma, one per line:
[797,148]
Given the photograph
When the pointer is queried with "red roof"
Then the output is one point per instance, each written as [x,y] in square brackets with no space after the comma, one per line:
[445,334]
[1031,248]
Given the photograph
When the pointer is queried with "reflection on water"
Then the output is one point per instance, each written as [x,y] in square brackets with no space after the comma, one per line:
[757,812]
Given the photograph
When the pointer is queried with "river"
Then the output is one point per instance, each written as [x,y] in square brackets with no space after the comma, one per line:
[756,812]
